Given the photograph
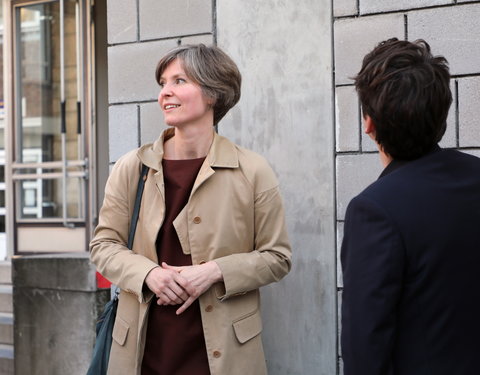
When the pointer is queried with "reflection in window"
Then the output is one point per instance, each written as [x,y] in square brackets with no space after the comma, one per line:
[38,98]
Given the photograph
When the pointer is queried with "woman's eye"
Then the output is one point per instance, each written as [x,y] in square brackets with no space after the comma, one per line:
[161,84]
[180,80]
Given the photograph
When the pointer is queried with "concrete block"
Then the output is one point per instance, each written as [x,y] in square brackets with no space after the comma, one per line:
[122,21]
[354,173]
[5,272]
[343,8]
[151,122]
[6,328]
[375,6]
[355,37]
[474,152]
[469,111]
[55,300]
[163,19]
[123,130]
[196,39]
[449,139]
[71,271]
[340,226]
[6,359]
[339,312]
[285,113]
[452,32]
[6,304]
[58,326]
[131,70]
[347,122]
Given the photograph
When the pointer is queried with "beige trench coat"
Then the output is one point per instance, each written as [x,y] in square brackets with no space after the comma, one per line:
[234,216]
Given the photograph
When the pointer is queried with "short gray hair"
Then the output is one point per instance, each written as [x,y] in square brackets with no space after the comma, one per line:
[212,69]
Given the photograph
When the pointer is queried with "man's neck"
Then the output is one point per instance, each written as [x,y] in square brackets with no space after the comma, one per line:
[384,157]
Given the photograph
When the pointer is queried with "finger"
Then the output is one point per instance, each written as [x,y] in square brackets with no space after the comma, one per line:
[176,283]
[161,303]
[180,292]
[173,268]
[185,284]
[162,299]
[185,305]
[172,298]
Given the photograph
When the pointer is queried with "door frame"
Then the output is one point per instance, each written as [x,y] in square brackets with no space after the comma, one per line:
[87,74]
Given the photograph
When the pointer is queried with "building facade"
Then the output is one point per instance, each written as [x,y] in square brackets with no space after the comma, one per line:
[79,91]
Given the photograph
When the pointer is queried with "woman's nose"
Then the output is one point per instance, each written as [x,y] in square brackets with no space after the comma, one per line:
[165,91]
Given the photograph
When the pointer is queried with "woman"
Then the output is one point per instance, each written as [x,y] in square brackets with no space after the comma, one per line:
[211,231]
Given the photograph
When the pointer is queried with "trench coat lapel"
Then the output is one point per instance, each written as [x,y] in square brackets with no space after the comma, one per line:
[222,154]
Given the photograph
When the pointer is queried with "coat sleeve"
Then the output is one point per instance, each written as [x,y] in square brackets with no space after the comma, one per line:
[373,260]
[270,260]
[109,251]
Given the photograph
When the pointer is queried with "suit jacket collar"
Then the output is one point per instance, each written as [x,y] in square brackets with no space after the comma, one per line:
[222,153]
[396,164]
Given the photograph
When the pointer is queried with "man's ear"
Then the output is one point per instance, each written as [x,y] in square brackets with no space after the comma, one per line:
[369,126]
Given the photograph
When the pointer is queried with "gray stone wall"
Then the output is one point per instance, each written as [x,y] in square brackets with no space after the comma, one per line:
[300,110]
[140,32]
[450,27]
[284,53]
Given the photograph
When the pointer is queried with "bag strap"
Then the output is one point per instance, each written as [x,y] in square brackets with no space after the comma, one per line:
[136,208]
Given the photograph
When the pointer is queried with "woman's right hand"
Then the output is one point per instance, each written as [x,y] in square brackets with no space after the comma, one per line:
[169,286]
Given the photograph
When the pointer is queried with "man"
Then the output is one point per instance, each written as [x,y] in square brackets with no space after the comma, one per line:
[411,248]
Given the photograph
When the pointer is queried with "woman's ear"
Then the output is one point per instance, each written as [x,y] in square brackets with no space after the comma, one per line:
[209,99]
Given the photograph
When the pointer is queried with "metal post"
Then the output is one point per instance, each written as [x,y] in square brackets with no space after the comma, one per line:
[63,114]
[80,145]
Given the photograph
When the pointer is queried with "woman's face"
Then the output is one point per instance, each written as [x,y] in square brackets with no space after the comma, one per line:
[182,100]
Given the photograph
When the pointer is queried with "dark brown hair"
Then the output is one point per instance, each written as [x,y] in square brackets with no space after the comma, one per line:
[212,69]
[406,92]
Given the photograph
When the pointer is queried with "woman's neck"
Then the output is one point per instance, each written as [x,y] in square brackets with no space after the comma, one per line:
[191,143]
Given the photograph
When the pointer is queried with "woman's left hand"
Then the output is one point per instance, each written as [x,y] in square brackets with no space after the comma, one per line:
[201,277]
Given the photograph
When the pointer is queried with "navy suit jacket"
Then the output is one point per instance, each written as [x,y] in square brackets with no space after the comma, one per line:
[411,268]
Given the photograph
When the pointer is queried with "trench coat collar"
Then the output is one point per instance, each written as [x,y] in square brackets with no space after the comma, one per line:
[222,153]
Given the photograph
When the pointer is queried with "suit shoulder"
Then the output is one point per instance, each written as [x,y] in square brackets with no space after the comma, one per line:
[466,157]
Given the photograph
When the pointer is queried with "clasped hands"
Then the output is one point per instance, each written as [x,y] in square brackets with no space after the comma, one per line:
[182,285]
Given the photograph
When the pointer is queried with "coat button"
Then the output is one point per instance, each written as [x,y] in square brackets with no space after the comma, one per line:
[209,308]
[217,354]
[197,220]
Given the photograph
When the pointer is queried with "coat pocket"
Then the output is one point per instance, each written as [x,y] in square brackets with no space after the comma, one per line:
[248,327]
[120,331]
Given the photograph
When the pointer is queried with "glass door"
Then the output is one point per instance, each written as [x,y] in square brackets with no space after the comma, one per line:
[50,157]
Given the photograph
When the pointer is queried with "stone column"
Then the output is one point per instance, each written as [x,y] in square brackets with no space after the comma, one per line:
[56,304]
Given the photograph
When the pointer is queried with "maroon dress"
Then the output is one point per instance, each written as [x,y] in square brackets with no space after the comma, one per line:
[175,344]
